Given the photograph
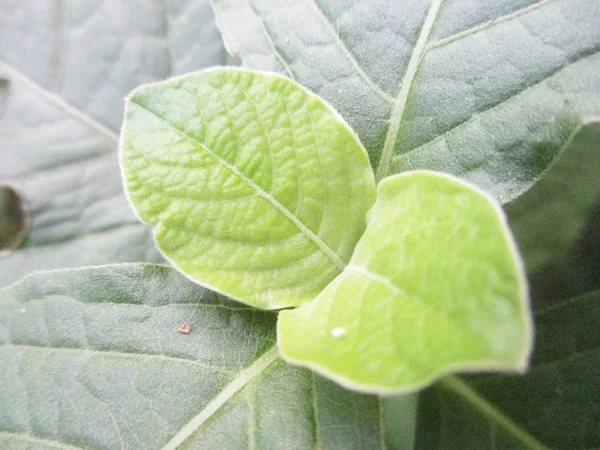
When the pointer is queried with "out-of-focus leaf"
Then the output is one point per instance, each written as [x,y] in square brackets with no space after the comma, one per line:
[65,168]
[548,219]
[553,221]
[557,403]
[91,54]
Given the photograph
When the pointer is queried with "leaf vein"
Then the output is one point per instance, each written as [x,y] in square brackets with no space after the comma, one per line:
[414,63]
[303,228]
[244,377]
[350,56]
[60,102]
[38,440]
[131,355]
[477,401]
[489,24]
[313,390]
[512,97]
[278,55]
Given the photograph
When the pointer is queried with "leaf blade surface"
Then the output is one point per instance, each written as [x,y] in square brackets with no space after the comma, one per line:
[402,313]
[456,111]
[105,339]
[256,187]
[555,403]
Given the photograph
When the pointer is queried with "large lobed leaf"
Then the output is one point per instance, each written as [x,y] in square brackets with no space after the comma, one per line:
[91,54]
[91,358]
[256,187]
[489,91]
[64,70]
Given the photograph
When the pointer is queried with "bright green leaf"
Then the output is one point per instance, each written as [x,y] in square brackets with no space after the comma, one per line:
[489,91]
[556,403]
[257,188]
[91,358]
[435,285]
[14,219]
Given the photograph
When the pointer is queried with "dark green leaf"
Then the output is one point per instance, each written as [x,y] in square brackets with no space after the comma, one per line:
[67,173]
[91,54]
[92,358]
[557,403]
[69,66]
[551,221]
[489,91]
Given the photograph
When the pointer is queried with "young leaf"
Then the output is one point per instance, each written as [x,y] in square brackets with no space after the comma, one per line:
[435,285]
[256,187]
[91,358]
[489,91]
[557,403]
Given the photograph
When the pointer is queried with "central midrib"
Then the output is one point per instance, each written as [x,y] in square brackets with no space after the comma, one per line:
[247,375]
[333,256]
[419,50]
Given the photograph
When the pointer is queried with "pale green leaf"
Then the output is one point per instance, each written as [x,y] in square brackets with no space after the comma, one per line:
[65,68]
[489,91]
[556,403]
[14,219]
[435,285]
[256,187]
[91,358]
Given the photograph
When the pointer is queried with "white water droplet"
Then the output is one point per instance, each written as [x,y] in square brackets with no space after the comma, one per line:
[338,333]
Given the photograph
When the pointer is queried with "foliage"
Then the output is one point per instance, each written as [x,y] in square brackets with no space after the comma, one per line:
[503,95]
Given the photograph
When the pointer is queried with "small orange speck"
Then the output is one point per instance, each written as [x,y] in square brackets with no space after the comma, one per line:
[185,328]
